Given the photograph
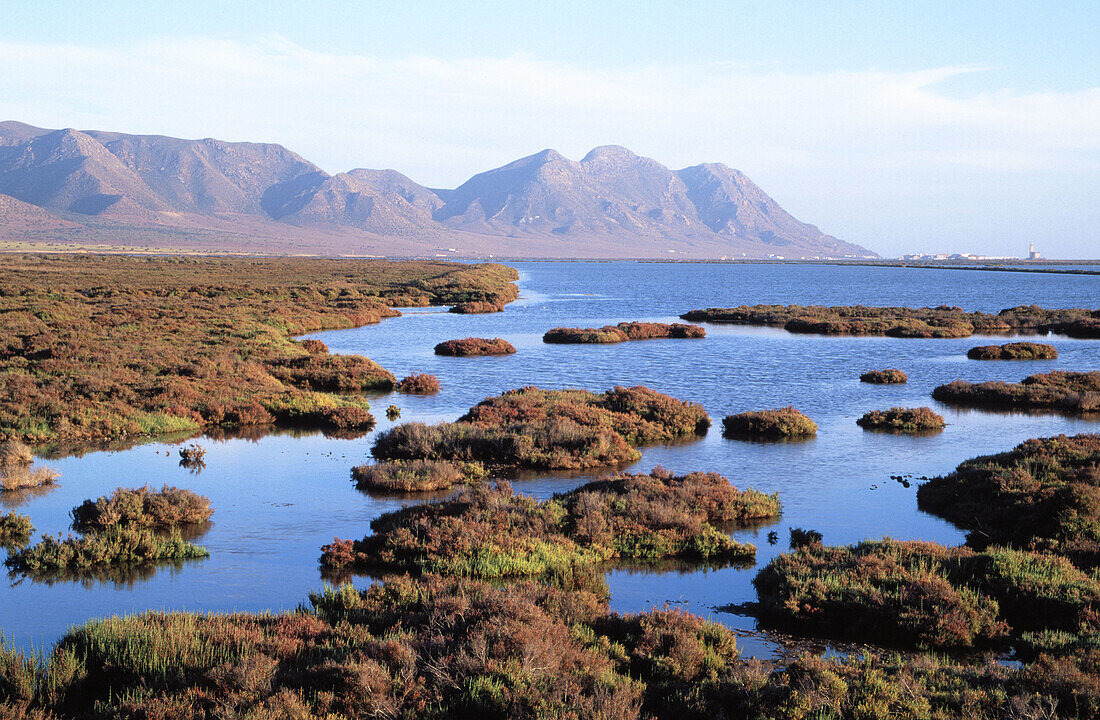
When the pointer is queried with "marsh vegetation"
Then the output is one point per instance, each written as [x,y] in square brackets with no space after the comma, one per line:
[903,420]
[473,346]
[1013,351]
[889,376]
[780,423]
[1061,391]
[623,332]
[939,322]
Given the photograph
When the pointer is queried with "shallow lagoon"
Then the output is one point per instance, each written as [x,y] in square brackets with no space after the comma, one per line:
[280,497]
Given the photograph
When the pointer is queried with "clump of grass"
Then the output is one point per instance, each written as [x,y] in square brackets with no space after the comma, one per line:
[477,307]
[114,546]
[943,321]
[393,412]
[15,530]
[622,332]
[531,427]
[415,475]
[1044,495]
[473,346]
[923,594]
[23,478]
[418,384]
[787,422]
[889,376]
[901,419]
[1013,351]
[1068,392]
[490,531]
[14,454]
[167,508]
[192,454]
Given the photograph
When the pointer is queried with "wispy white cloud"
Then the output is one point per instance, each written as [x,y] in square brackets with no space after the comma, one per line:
[832,146]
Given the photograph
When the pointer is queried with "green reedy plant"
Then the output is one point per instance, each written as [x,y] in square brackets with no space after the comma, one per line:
[15,530]
[117,545]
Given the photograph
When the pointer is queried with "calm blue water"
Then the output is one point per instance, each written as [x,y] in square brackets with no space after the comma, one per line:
[281,497]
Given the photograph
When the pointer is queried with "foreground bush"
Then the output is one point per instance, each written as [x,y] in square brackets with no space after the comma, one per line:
[433,648]
[622,332]
[890,376]
[923,594]
[531,427]
[491,532]
[419,384]
[15,468]
[118,545]
[165,509]
[900,419]
[414,475]
[1013,351]
[1068,392]
[122,347]
[15,530]
[1044,494]
[786,422]
[472,346]
[938,322]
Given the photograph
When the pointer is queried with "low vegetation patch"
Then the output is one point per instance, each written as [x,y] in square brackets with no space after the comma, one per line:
[889,376]
[475,346]
[938,322]
[787,422]
[623,332]
[419,384]
[490,531]
[1013,351]
[15,468]
[1068,392]
[165,509]
[393,412]
[536,428]
[115,546]
[901,419]
[415,475]
[480,307]
[1044,495]
[437,648]
[15,530]
[108,348]
[926,595]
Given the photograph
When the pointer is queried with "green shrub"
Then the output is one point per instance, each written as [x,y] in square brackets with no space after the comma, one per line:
[787,422]
[899,419]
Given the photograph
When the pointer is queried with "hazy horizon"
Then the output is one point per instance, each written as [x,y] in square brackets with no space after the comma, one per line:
[928,129]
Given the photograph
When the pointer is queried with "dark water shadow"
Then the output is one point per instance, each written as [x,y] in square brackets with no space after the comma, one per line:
[120,576]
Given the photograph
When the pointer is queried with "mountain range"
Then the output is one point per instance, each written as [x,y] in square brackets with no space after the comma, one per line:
[60,187]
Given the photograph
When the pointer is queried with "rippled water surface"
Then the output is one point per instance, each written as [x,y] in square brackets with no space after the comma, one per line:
[280,497]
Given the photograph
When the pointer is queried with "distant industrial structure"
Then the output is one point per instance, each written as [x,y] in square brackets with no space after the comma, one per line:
[1032,254]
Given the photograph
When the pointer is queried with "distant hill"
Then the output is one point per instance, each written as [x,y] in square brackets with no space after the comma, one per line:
[115,188]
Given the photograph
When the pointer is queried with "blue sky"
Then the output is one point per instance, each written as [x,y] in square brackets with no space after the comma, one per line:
[902,127]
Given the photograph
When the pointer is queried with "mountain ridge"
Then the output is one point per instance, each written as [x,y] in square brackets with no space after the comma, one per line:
[611,203]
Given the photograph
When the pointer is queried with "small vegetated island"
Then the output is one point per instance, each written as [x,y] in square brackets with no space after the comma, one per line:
[1028,581]
[1013,351]
[534,428]
[129,527]
[903,420]
[100,348]
[889,376]
[1061,391]
[786,422]
[491,531]
[622,333]
[473,346]
[938,322]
